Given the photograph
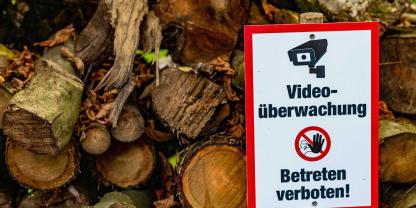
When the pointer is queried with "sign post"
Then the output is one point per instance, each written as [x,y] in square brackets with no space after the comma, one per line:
[312,115]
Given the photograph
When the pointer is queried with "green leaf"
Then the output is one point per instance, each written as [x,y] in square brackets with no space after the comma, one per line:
[4,51]
[150,56]
[173,160]
[29,191]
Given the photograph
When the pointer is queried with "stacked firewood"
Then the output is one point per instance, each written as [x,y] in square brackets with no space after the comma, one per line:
[95,121]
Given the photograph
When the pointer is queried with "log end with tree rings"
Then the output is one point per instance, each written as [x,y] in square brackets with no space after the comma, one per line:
[212,174]
[397,150]
[39,171]
[130,125]
[97,139]
[127,164]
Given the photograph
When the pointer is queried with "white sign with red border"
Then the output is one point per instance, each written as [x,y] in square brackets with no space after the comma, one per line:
[312,113]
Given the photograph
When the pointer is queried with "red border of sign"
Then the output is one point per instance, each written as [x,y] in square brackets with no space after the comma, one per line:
[249,30]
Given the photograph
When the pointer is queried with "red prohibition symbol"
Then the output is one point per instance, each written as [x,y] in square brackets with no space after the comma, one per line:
[312,143]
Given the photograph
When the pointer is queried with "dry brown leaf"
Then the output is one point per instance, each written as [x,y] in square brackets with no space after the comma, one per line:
[166,203]
[384,112]
[269,9]
[60,37]
[104,111]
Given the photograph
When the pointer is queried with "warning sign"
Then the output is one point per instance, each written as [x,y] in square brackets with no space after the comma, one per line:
[312,107]
[312,149]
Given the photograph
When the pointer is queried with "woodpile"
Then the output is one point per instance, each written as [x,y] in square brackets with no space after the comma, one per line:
[103,119]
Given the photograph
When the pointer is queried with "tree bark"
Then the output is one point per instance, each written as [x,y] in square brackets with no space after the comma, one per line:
[186,102]
[200,32]
[5,97]
[96,39]
[43,172]
[42,116]
[97,139]
[398,195]
[130,125]
[385,11]
[397,150]
[204,168]
[398,71]
[127,164]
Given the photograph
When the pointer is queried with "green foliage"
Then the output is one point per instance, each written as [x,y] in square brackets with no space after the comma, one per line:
[149,57]
[4,51]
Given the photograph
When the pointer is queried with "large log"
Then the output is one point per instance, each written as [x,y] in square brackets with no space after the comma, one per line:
[127,164]
[42,116]
[211,173]
[397,150]
[398,70]
[43,172]
[186,102]
[398,195]
[385,11]
[200,31]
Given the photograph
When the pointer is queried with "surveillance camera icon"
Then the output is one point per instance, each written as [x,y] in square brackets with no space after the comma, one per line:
[309,54]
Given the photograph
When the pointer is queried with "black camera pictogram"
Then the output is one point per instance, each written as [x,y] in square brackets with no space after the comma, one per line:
[309,54]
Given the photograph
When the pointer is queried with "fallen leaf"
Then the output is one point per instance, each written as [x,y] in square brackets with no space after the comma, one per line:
[104,111]
[60,37]
[166,203]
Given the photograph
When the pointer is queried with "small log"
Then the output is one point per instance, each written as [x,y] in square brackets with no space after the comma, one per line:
[201,32]
[397,150]
[127,199]
[5,97]
[398,195]
[42,116]
[97,139]
[186,102]
[398,70]
[127,164]
[204,167]
[39,171]
[130,125]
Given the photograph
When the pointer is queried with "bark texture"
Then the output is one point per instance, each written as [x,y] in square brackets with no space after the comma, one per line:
[398,70]
[385,11]
[41,117]
[200,31]
[186,102]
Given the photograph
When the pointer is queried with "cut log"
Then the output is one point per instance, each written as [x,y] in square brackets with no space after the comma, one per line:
[200,32]
[398,70]
[127,199]
[397,151]
[8,189]
[5,97]
[42,172]
[185,102]
[385,11]
[398,195]
[41,117]
[130,125]
[97,139]
[212,173]
[127,164]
